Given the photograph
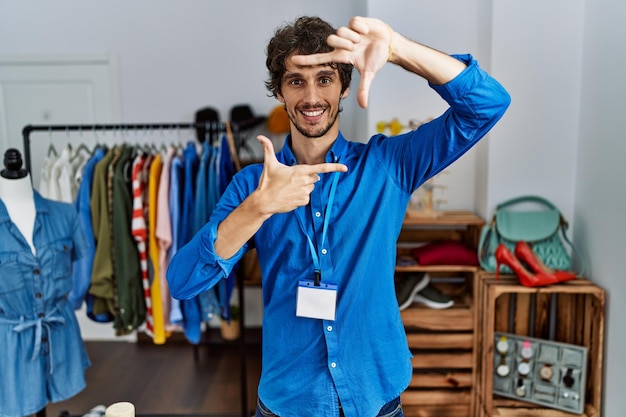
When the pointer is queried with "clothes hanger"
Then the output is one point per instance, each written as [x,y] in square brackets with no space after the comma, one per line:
[81,148]
[52,152]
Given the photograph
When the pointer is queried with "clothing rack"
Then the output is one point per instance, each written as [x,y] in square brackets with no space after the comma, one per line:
[212,129]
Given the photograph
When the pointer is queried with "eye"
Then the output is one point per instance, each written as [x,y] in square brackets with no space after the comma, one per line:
[295,81]
[325,80]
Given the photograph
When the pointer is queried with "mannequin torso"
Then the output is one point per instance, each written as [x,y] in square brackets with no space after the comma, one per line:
[16,192]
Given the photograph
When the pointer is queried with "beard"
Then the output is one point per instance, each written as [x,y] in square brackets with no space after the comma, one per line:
[313,131]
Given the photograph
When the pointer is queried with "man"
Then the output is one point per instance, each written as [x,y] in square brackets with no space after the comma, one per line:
[324,215]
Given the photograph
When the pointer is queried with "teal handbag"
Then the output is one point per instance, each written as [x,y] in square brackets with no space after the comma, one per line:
[545,230]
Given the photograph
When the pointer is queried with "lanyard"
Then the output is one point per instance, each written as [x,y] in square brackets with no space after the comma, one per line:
[314,255]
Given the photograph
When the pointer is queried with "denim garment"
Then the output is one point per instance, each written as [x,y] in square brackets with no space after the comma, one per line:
[43,356]
[226,166]
[193,310]
[190,156]
[81,270]
[177,169]
[362,357]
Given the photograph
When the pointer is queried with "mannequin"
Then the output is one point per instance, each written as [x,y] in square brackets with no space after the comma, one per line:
[16,192]
[44,357]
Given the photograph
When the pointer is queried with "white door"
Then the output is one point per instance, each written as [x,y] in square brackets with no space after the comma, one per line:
[44,90]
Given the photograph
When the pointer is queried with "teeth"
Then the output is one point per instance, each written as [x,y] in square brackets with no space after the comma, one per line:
[313,113]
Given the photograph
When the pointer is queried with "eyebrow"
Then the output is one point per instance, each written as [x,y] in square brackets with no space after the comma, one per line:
[321,73]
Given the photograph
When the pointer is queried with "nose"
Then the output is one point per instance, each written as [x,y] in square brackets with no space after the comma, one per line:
[311,94]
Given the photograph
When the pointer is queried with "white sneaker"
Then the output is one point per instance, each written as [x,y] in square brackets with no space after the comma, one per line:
[409,287]
[432,298]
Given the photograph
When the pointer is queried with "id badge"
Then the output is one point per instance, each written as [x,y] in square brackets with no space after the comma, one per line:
[316,302]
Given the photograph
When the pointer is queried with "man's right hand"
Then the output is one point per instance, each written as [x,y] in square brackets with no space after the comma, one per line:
[285,188]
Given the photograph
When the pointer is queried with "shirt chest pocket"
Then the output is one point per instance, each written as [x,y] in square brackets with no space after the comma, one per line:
[11,279]
[62,266]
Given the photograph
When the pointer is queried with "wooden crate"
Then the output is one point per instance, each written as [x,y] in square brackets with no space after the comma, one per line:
[578,311]
[442,341]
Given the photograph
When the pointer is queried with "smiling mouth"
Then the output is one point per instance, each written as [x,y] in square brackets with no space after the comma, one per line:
[313,113]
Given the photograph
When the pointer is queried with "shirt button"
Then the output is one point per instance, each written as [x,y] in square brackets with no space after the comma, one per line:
[324,251]
[36,271]
[38,295]
[333,365]
[44,340]
[329,328]
[41,315]
[318,214]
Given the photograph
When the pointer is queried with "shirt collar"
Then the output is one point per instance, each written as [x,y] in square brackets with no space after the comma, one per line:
[335,153]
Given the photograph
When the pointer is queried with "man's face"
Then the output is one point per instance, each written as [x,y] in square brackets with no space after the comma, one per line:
[311,96]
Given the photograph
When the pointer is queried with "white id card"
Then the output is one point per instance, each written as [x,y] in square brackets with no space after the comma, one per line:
[316,302]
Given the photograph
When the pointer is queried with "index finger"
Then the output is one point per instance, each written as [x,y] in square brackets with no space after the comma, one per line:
[313,59]
[325,168]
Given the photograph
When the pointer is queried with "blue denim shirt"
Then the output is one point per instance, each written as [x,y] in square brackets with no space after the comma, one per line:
[43,356]
[81,270]
[362,356]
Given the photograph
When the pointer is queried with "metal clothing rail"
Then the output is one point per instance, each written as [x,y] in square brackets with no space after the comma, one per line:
[211,128]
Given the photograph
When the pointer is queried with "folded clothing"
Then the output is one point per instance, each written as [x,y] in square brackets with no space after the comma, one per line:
[447,252]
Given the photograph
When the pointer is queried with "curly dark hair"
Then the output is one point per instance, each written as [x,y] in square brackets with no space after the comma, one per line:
[307,35]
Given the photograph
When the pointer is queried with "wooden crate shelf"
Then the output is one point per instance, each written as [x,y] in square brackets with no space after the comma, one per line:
[578,311]
[452,379]
[436,403]
[442,341]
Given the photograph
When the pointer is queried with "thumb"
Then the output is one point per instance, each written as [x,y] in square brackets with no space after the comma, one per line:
[269,155]
[364,88]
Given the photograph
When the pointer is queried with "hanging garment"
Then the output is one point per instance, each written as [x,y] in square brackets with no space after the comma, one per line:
[43,355]
[153,251]
[191,310]
[163,231]
[101,288]
[176,188]
[131,311]
[225,170]
[81,270]
[204,306]
[60,179]
[190,155]
[46,172]
[139,231]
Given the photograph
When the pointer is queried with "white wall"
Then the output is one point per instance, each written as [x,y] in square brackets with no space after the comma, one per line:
[600,203]
[537,55]
[174,57]
[397,93]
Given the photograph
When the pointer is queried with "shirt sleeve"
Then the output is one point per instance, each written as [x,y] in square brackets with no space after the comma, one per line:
[196,267]
[477,101]
[79,237]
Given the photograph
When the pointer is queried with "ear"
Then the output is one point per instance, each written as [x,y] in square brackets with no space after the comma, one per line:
[280,98]
[345,93]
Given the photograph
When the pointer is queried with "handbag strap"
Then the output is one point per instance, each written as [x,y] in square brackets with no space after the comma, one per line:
[526,199]
[581,260]
[540,200]
[482,255]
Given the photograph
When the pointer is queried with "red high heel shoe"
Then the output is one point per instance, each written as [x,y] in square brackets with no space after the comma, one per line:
[524,253]
[504,256]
